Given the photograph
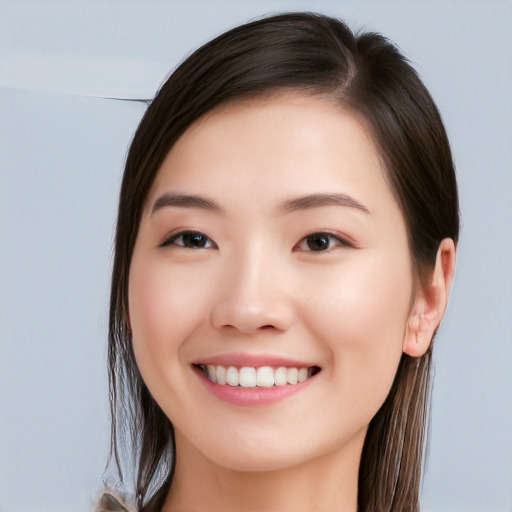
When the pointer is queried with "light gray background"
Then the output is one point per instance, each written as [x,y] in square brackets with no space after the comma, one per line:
[62,145]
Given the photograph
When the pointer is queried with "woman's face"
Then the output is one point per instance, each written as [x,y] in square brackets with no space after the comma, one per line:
[270,250]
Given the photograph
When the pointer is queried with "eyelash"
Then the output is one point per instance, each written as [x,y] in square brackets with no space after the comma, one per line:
[329,237]
[171,240]
[326,236]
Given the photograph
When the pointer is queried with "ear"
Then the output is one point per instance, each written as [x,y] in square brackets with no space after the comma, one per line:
[430,302]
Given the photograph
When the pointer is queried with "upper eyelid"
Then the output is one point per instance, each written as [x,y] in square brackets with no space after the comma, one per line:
[342,239]
[175,235]
[345,240]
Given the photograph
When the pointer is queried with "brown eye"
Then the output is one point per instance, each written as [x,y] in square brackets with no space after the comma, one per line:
[318,242]
[189,240]
[194,240]
[321,242]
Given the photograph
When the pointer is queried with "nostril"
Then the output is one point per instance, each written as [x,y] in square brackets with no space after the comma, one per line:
[251,315]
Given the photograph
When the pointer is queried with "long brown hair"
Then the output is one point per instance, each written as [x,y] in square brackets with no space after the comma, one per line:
[365,73]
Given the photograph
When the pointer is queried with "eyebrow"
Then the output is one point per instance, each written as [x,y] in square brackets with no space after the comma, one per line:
[293,205]
[185,201]
[318,200]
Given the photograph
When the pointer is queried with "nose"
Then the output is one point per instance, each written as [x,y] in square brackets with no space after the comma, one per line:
[254,295]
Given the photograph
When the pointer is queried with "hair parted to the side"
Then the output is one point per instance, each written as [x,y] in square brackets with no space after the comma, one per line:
[365,74]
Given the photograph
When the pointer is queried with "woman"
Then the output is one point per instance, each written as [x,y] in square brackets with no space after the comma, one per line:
[284,254]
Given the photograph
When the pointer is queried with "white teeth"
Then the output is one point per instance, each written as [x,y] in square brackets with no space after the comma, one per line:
[232,376]
[220,375]
[210,371]
[265,377]
[280,376]
[247,377]
[291,375]
[250,377]
[302,374]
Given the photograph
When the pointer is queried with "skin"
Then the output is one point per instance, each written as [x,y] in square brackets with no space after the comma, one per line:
[256,287]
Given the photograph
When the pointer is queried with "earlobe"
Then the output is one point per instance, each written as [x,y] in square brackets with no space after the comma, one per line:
[430,302]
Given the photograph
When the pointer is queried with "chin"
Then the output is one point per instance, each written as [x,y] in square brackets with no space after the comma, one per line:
[258,462]
[245,451]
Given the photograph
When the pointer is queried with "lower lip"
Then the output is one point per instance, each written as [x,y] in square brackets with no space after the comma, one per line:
[248,397]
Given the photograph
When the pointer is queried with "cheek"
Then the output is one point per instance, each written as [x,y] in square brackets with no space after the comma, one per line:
[164,307]
[362,315]
[362,297]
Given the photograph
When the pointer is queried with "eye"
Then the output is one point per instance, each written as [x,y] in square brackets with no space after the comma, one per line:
[189,240]
[321,242]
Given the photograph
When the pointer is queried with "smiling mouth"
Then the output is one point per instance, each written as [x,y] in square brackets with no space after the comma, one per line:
[257,377]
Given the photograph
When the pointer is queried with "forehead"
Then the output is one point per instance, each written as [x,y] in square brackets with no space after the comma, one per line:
[264,148]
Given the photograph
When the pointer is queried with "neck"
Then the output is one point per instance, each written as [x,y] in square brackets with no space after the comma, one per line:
[325,484]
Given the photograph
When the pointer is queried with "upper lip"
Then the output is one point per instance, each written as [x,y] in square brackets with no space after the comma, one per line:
[252,360]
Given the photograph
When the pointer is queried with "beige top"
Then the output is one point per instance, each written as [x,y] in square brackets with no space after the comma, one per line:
[109,503]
